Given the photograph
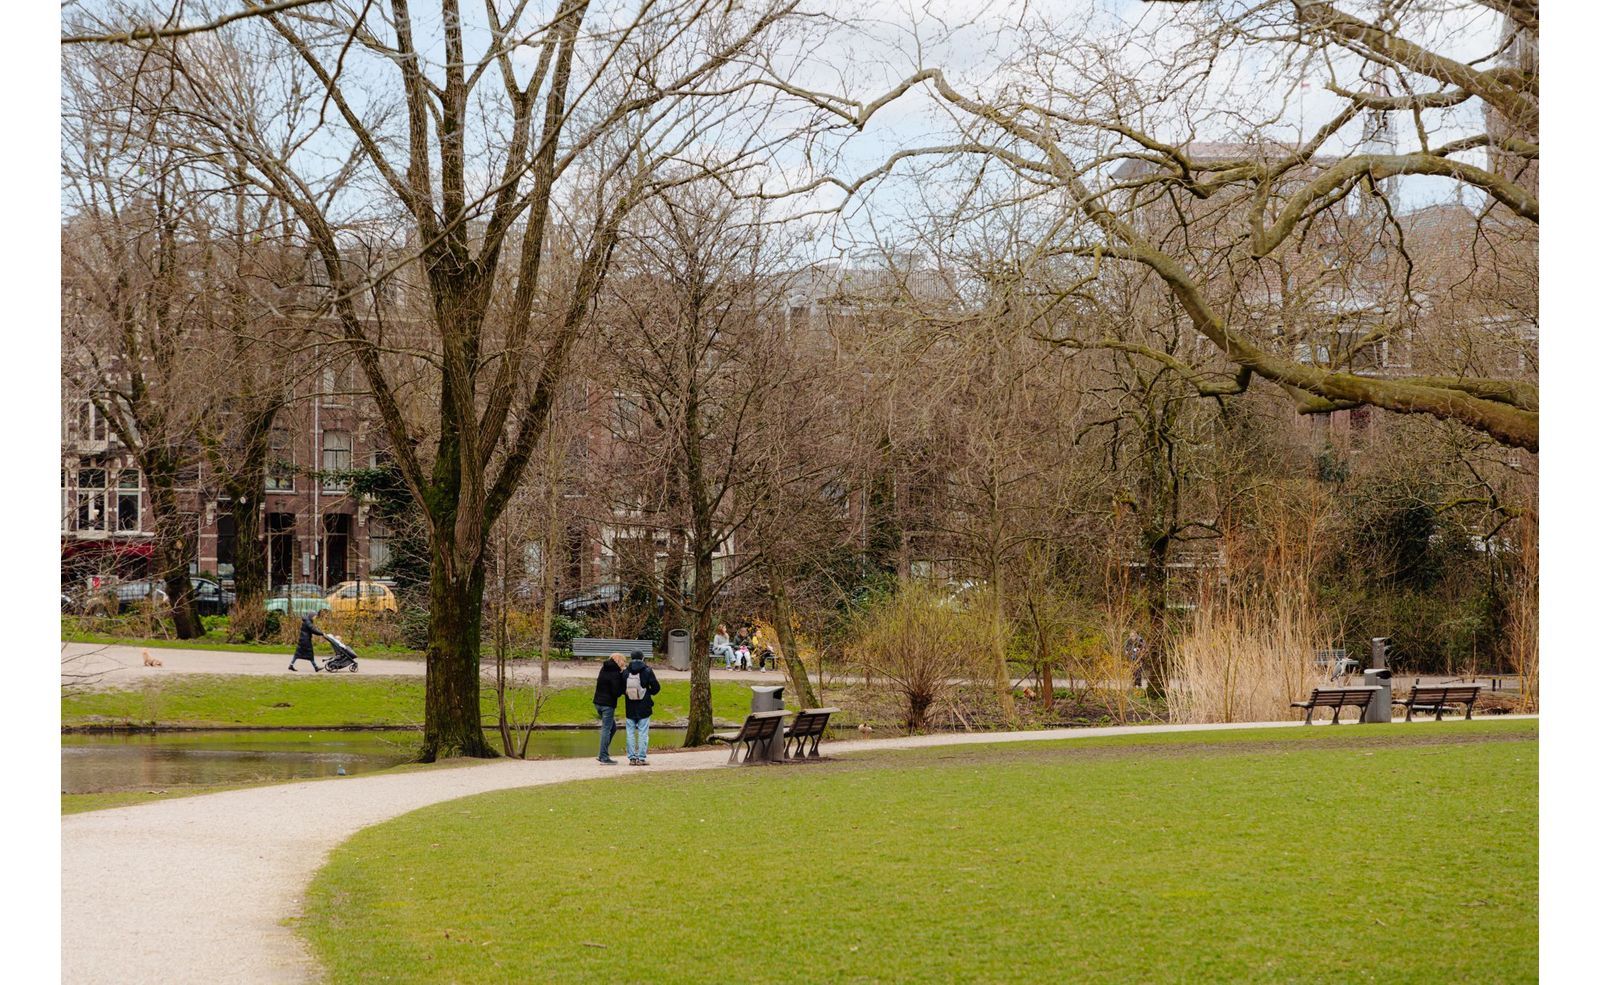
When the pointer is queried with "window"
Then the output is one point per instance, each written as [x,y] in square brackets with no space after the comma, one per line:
[128,500]
[335,383]
[378,555]
[91,426]
[335,461]
[280,461]
[626,415]
[91,499]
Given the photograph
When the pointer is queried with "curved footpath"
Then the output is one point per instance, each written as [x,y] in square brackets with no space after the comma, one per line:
[198,889]
[117,665]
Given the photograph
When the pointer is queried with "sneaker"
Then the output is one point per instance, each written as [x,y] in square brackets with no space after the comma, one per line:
[608,762]
[292,670]
[644,762]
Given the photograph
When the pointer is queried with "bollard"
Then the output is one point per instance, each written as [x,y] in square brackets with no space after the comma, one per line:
[768,699]
[1381,707]
[678,649]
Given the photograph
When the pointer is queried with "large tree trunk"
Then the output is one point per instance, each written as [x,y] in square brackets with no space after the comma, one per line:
[452,714]
[783,621]
[1155,586]
[247,622]
[700,717]
[173,549]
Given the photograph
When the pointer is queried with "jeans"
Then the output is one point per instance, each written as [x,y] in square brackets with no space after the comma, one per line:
[608,728]
[725,652]
[638,738]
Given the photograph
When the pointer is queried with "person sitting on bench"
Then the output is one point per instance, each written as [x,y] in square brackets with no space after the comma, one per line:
[720,646]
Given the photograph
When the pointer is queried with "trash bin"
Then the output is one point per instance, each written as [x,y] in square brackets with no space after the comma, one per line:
[1380,652]
[678,649]
[768,699]
[1381,707]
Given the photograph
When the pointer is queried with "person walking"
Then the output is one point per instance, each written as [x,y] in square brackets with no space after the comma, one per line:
[302,649]
[607,690]
[638,690]
[1133,649]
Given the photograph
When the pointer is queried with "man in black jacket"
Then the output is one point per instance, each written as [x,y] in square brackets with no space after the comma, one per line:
[639,686]
[607,689]
[302,650]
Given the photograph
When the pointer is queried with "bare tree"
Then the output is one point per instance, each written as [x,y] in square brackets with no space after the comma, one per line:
[1187,155]
[695,346]
[505,170]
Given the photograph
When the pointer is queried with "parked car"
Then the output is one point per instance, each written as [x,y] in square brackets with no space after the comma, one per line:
[364,597]
[133,593]
[210,599]
[299,599]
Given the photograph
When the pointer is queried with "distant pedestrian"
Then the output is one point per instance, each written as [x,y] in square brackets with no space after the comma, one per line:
[607,691]
[1133,649]
[638,691]
[302,649]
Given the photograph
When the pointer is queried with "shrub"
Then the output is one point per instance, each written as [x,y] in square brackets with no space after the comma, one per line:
[922,643]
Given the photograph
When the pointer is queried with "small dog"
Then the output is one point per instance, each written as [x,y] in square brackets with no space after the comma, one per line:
[150,661]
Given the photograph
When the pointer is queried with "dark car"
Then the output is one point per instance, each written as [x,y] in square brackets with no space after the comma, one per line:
[210,599]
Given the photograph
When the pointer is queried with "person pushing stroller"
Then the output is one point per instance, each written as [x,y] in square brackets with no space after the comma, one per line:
[302,649]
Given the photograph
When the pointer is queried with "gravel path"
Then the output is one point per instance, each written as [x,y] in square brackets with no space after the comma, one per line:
[121,666]
[198,889]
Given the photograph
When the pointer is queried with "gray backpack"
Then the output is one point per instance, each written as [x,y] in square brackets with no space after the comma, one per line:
[635,687]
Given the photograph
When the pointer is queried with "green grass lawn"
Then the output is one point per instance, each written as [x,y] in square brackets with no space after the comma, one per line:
[325,700]
[1402,853]
[218,640]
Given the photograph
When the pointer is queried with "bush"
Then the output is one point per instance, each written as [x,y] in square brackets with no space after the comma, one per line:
[563,630]
[217,625]
[922,642]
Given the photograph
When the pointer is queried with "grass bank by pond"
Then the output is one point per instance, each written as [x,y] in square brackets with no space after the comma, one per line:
[1245,856]
[330,701]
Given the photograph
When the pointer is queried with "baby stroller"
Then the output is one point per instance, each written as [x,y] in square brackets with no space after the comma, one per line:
[343,657]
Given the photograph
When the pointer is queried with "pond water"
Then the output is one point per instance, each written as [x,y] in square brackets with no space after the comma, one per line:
[159,760]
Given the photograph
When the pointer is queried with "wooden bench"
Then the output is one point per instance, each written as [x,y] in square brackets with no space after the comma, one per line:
[809,724]
[758,727]
[1434,698]
[586,646]
[1336,698]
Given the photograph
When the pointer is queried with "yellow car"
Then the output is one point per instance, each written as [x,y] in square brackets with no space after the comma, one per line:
[364,597]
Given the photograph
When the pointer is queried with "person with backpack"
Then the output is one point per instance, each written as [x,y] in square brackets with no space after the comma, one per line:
[607,689]
[638,689]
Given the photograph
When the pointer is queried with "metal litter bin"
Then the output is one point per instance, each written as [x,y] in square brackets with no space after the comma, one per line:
[678,649]
[768,699]
[1381,707]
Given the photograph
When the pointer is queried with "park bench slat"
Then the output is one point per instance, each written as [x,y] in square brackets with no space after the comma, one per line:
[1337,698]
[595,646]
[1435,697]
[758,727]
[808,725]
